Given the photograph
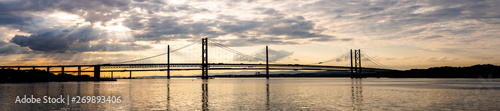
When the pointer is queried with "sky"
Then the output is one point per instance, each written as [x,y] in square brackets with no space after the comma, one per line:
[400,34]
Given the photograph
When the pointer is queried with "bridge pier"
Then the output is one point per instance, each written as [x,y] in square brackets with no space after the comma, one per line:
[62,70]
[33,68]
[130,76]
[111,74]
[18,68]
[356,70]
[97,72]
[48,70]
[79,70]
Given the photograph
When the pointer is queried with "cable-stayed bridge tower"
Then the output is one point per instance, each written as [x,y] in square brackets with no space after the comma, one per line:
[204,58]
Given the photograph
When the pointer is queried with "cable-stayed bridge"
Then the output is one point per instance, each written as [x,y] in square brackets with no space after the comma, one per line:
[221,57]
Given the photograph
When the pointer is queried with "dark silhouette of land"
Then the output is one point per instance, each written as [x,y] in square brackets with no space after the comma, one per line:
[475,71]
[485,70]
[25,76]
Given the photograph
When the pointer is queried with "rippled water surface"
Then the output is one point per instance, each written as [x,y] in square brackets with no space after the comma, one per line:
[262,94]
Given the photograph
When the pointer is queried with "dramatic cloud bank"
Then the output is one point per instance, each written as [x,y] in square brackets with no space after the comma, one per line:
[440,30]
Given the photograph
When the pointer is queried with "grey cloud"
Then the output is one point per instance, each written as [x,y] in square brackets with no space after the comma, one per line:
[47,42]
[442,59]
[9,18]
[76,40]
[172,27]
[239,26]
[95,10]
[416,31]
[454,31]
[91,10]
[8,48]
[108,47]
[140,0]
[252,40]
[432,37]
[293,27]
[165,28]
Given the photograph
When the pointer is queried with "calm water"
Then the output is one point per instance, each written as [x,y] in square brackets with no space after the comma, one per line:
[262,94]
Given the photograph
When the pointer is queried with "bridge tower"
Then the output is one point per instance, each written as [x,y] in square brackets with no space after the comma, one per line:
[97,72]
[356,69]
[204,58]
[168,62]
[267,63]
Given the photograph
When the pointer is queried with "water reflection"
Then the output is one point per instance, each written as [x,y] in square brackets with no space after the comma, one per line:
[77,88]
[255,94]
[357,94]
[130,89]
[96,89]
[168,94]
[267,95]
[204,99]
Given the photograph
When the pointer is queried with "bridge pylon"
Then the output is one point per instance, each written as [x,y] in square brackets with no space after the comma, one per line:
[267,63]
[204,58]
[168,62]
[97,72]
[356,66]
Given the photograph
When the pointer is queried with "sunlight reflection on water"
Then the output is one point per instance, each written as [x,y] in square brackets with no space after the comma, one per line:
[262,94]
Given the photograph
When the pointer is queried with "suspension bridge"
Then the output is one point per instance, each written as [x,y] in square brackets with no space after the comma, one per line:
[226,58]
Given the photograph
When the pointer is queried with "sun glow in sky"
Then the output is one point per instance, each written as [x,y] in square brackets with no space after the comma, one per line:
[401,34]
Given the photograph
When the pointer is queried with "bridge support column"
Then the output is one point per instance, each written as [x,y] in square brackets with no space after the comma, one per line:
[130,75]
[111,74]
[168,62]
[356,70]
[204,58]
[18,68]
[97,72]
[267,63]
[352,68]
[33,68]
[62,70]
[48,70]
[79,70]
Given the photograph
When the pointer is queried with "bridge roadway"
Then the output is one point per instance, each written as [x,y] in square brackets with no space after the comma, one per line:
[197,66]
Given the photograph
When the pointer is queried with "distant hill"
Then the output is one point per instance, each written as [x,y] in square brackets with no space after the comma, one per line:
[484,70]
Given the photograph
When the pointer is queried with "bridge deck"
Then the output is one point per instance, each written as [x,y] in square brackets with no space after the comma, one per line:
[197,66]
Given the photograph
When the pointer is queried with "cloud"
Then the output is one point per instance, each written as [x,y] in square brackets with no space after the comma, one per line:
[442,59]
[8,48]
[78,40]
[274,55]
[9,18]
[432,37]
[274,25]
